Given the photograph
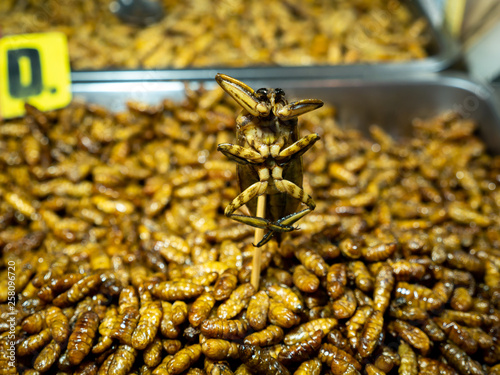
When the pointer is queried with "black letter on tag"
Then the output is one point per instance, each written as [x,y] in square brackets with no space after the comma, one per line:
[16,88]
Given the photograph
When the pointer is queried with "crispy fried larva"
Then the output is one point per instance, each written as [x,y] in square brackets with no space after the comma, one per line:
[336,280]
[378,252]
[300,351]
[259,362]
[34,343]
[200,309]
[337,358]
[82,337]
[387,359]
[58,324]
[461,299]
[433,330]
[460,360]
[408,360]
[312,261]
[305,280]
[458,335]
[257,310]
[285,296]
[167,326]
[105,328]
[305,330]
[362,276]
[345,306]
[171,346]
[418,295]
[310,367]
[224,329]
[179,312]
[405,270]
[125,325]
[183,359]
[34,323]
[281,316]
[57,285]
[176,290]
[47,357]
[384,283]
[428,366]
[236,301]
[226,283]
[148,325]
[152,353]
[123,360]
[219,350]
[370,334]
[411,334]
[268,336]
[217,367]
[78,291]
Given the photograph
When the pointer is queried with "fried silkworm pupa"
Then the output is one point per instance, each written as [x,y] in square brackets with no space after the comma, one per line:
[57,323]
[460,360]
[257,310]
[305,330]
[301,351]
[200,309]
[310,367]
[411,334]
[123,360]
[219,350]
[243,370]
[336,279]
[417,295]
[47,357]
[34,323]
[312,261]
[408,359]
[281,316]
[179,312]
[458,335]
[105,328]
[428,366]
[78,291]
[58,285]
[167,326]
[89,367]
[161,369]
[34,343]
[373,370]
[148,325]
[171,346]
[371,333]
[152,354]
[305,280]
[236,301]
[405,270]
[337,358]
[386,360]
[362,276]
[345,306]
[224,329]
[461,299]
[259,362]
[125,325]
[268,336]
[82,337]
[406,312]
[225,284]
[336,338]
[378,252]
[384,283]
[176,290]
[216,367]
[184,359]
[285,296]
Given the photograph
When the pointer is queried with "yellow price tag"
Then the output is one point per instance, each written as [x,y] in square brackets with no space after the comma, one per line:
[34,68]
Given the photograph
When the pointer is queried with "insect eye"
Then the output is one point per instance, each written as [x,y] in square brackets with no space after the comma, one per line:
[279,93]
[261,94]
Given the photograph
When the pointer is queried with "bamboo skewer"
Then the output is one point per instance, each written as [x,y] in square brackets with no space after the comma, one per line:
[259,234]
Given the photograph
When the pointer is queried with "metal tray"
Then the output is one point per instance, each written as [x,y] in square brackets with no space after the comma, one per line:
[443,51]
[389,102]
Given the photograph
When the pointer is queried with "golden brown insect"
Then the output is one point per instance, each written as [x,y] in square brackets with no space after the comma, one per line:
[34,323]
[200,309]
[406,312]
[461,299]
[225,285]
[179,312]
[58,324]
[428,366]
[268,155]
[371,333]
[378,252]
[260,362]
[125,325]
[123,360]
[460,360]
[82,337]
[268,336]
[219,350]
[336,280]
[305,330]
[418,295]
[312,261]
[149,322]
[257,310]
[305,280]
[362,277]
[224,329]
[176,290]
[345,306]
[57,285]
[167,326]
[405,270]
[183,359]
[152,354]
[301,351]
[105,328]
[310,367]
[78,291]
[236,301]
[384,283]
[212,367]
[458,335]
[386,360]
[47,357]
[337,358]
[408,359]
[280,315]
[34,343]
[411,334]
[285,296]
[171,346]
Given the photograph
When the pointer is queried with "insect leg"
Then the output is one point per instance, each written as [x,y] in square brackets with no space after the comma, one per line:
[298,108]
[288,187]
[298,148]
[287,222]
[241,155]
